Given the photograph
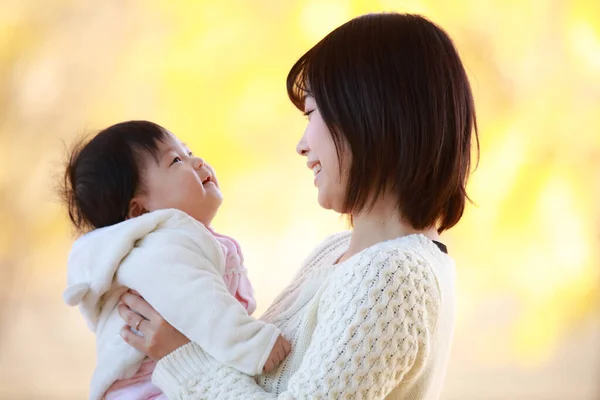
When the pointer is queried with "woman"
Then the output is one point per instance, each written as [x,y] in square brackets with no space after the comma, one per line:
[370,314]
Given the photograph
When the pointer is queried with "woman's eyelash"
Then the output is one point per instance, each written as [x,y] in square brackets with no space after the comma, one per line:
[307,113]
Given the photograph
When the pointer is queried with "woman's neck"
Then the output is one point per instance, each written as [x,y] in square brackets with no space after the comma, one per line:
[380,224]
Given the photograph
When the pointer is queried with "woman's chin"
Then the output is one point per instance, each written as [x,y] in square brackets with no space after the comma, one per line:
[327,203]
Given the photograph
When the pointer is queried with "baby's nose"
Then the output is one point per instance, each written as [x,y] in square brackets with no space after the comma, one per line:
[198,162]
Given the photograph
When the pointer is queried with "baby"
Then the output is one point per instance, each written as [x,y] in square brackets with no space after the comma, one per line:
[149,203]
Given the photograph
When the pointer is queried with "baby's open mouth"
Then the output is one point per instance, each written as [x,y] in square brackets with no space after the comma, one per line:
[207,180]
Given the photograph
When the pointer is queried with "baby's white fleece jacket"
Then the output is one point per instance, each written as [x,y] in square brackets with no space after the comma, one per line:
[177,265]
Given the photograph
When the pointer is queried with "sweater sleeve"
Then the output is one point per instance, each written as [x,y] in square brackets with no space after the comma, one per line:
[183,284]
[374,328]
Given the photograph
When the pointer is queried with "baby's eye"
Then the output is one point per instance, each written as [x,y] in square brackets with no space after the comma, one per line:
[176,160]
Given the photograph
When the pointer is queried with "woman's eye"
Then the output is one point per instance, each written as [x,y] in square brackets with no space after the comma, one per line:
[176,160]
[307,113]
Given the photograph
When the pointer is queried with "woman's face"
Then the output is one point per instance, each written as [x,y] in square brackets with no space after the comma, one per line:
[180,180]
[317,146]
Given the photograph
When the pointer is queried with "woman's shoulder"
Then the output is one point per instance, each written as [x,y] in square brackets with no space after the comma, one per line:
[406,251]
[411,263]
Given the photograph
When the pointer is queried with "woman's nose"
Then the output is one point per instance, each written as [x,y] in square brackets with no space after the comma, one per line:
[302,147]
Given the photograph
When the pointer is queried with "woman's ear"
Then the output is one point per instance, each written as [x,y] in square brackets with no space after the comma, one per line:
[137,207]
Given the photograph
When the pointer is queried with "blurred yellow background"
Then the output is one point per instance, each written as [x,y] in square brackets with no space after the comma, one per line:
[213,72]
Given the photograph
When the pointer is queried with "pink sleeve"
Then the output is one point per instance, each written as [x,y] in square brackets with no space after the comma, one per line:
[240,287]
[236,275]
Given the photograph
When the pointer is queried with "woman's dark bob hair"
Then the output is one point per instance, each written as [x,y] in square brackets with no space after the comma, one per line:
[392,89]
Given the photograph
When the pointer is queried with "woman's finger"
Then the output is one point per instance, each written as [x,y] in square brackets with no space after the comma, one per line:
[139,305]
[268,366]
[281,354]
[130,317]
[133,340]
[146,328]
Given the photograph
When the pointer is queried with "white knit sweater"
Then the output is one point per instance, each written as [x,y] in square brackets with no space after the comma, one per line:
[376,326]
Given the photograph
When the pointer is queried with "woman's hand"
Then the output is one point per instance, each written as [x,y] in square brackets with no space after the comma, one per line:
[160,338]
[280,351]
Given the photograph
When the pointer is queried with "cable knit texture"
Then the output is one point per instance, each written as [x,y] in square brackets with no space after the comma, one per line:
[376,326]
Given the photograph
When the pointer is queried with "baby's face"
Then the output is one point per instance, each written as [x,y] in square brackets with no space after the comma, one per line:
[180,180]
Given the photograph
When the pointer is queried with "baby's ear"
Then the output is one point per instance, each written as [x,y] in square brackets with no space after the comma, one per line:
[136,208]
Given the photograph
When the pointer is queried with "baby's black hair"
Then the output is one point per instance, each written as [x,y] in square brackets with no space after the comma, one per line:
[102,175]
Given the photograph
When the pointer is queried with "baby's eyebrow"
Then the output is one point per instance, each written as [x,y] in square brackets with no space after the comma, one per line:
[188,149]
[185,146]
[174,148]
[168,149]
[163,153]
